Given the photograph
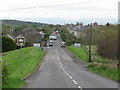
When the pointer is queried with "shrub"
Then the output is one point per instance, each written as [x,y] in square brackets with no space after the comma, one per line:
[5,73]
[107,45]
[8,44]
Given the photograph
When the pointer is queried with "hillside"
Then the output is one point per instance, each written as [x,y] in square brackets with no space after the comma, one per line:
[18,23]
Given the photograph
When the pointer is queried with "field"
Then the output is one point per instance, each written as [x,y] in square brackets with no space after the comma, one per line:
[30,57]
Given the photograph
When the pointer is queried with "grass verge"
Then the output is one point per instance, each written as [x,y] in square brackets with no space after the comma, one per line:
[104,71]
[102,66]
[79,52]
[31,58]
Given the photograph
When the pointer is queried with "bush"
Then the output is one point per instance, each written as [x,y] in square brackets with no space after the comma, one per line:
[107,45]
[5,73]
[8,44]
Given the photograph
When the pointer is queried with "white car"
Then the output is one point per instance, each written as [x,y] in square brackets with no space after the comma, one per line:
[53,38]
[50,44]
[50,37]
[51,41]
[63,44]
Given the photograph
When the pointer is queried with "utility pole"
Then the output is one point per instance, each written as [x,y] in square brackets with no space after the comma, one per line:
[42,39]
[21,59]
[25,38]
[90,34]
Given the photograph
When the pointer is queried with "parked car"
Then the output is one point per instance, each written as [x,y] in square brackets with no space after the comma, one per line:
[53,38]
[51,43]
[63,44]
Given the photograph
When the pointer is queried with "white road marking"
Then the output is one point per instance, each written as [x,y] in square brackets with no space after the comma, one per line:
[74,81]
[70,77]
[66,72]
[80,87]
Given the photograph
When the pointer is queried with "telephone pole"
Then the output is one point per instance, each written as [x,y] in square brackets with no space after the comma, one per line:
[90,34]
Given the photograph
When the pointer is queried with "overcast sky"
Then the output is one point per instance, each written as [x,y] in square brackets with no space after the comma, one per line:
[48,10]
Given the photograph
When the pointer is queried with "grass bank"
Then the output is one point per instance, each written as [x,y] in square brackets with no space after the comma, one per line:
[100,65]
[104,70]
[31,58]
[79,52]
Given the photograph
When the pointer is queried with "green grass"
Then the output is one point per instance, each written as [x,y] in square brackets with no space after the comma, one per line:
[14,83]
[79,52]
[31,58]
[0,72]
[104,69]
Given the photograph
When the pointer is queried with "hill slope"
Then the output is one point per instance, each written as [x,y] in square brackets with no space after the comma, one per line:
[18,23]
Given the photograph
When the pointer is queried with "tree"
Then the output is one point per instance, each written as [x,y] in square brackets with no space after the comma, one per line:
[108,45]
[95,23]
[8,44]
[107,24]
[6,29]
[79,23]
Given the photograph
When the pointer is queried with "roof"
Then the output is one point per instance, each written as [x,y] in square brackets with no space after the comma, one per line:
[11,36]
[20,36]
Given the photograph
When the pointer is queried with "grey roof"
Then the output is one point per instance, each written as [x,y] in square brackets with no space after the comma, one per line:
[31,34]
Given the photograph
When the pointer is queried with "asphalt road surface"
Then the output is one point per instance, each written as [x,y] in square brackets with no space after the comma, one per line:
[58,70]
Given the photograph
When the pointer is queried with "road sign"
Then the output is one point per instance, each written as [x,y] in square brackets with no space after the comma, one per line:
[77,45]
[20,41]
[36,45]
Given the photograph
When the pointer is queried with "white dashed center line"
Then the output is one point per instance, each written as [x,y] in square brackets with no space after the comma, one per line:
[70,77]
[67,73]
[80,87]
[74,81]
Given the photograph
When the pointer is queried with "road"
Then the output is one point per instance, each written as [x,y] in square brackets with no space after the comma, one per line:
[58,70]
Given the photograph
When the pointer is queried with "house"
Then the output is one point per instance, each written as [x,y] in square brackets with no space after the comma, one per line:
[78,29]
[72,28]
[31,35]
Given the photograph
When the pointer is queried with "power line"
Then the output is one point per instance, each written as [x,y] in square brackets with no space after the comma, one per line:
[55,5]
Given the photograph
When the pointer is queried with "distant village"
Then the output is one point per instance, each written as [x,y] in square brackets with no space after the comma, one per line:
[78,28]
